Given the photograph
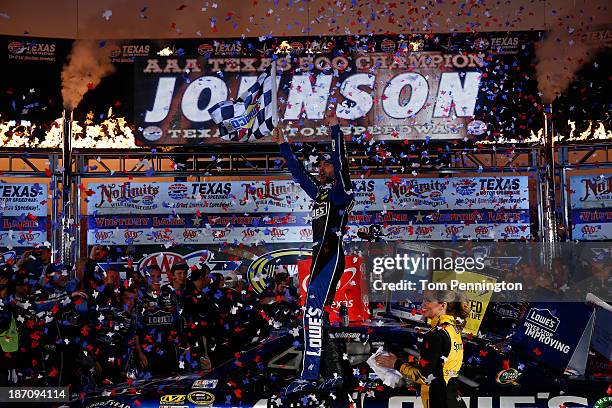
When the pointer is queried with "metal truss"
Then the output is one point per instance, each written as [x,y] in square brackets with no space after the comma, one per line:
[239,161]
[22,163]
[265,160]
[582,156]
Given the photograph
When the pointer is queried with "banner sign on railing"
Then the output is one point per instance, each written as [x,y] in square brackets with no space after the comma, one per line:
[251,212]
[591,207]
[23,214]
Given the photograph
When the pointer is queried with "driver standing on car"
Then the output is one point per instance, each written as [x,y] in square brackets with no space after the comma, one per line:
[441,354]
[333,200]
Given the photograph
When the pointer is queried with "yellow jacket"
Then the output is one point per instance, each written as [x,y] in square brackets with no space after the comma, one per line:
[441,355]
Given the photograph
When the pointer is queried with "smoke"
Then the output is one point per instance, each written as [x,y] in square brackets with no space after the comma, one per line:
[88,63]
[563,50]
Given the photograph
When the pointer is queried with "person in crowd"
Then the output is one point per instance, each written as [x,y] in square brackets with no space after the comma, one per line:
[219,307]
[197,318]
[9,337]
[115,329]
[111,283]
[157,339]
[152,281]
[30,327]
[279,300]
[34,260]
[172,299]
[593,276]
[134,279]
[172,294]
[51,300]
[231,280]
[73,335]
[441,354]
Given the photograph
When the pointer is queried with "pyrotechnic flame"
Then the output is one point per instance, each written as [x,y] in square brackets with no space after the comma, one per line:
[112,133]
[595,131]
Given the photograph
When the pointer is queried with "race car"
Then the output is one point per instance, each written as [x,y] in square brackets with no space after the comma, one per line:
[493,375]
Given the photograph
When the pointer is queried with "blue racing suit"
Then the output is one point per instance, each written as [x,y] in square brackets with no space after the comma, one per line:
[332,205]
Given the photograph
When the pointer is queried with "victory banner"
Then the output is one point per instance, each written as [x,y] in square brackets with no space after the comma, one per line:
[392,88]
[591,207]
[23,214]
[278,211]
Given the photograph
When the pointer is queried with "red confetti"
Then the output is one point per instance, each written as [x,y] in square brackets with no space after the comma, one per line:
[506,364]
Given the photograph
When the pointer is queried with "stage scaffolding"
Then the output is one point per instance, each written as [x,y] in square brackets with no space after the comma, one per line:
[213,162]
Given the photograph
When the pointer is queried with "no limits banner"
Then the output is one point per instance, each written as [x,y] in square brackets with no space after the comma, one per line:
[252,212]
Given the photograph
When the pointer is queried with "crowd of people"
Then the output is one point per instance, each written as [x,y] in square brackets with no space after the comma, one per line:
[89,327]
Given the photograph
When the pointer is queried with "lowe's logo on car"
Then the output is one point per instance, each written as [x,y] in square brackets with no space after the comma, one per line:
[540,325]
[543,318]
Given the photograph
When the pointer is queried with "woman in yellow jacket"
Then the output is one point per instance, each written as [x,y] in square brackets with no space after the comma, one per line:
[441,354]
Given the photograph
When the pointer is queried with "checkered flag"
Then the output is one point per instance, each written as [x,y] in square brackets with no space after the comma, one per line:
[254,115]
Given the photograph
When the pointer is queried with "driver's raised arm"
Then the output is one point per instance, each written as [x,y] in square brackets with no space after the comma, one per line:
[340,160]
[304,178]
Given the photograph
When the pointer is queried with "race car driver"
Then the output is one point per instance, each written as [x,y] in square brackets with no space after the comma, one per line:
[441,354]
[333,200]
